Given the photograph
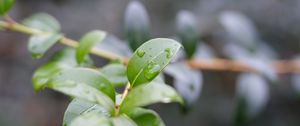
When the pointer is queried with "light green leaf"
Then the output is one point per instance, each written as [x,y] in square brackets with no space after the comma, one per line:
[5,6]
[63,59]
[116,74]
[43,22]
[149,59]
[89,77]
[87,42]
[148,94]
[39,44]
[82,91]
[145,117]
[122,120]
[91,119]
[79,107]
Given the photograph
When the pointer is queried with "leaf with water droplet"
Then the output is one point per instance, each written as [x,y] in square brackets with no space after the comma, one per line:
[149,94]
[78,107]
[144,69]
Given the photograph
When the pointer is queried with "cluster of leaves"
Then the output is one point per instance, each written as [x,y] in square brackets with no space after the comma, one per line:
[93,90]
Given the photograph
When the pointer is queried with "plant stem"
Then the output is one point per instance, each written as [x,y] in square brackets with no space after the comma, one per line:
[124,95]
[64,40]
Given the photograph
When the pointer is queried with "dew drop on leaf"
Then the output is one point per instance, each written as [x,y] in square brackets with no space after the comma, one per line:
[168,52]
[151,70]
[140,53]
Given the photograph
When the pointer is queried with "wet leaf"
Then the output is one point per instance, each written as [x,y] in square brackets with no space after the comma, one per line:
[91,119]
[149,59]
[122,120]
[145,117]
[116,74]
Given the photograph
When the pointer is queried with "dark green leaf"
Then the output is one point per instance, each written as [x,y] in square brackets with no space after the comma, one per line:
[63,59]
[136,24]
[122,120]
[187,32]
[149,59]
[43,22]
[39,44]
[87,42]
[148,94]
[82,91]
[79,107]
[91,119]
[5,6]
[145,117]
[116,74]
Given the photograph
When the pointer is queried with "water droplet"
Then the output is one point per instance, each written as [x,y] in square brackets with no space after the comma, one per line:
[168,52]
[140,53]
[152,70]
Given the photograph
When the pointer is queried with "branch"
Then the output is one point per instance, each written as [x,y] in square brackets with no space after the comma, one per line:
[280,66]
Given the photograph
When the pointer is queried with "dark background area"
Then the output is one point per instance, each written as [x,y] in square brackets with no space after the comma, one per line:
[277,22]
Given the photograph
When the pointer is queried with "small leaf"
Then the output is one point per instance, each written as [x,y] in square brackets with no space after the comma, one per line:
[149,59]
[79,107]
[187,32]
[240,29]
[82,91]
[115,45]
[63,59]
[122,120]
[148,94]
[116,74]
[89,77]
[39,44]
[91,119]
[136,24]
[43,22]
[5,6]
[187,82]
[253,93]
[87,42]
[145,117]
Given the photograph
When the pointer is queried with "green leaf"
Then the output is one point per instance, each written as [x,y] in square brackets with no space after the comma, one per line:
[122,120]
[145,117]
[63,59]
[89,77]
[79,107]
[149,59]
[39,44]
[187,32]
[82,91]
[43,22]
[5,6]
[186,81]
[116,74]
[137,24]
[148,94]
[87,42]
[91,119]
